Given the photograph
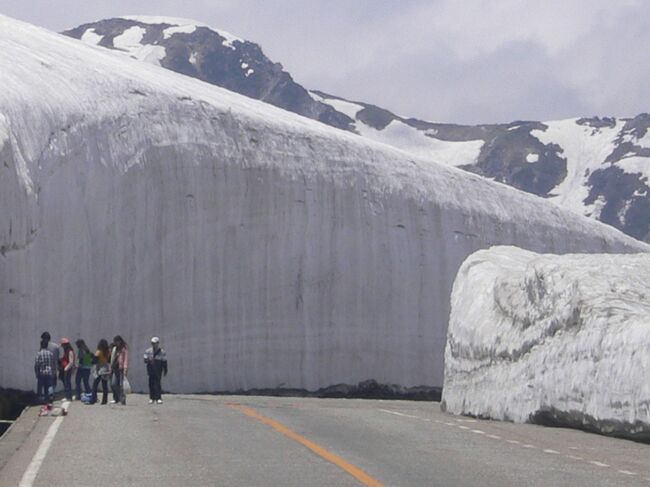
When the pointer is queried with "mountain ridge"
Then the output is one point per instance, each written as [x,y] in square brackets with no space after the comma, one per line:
[616,189]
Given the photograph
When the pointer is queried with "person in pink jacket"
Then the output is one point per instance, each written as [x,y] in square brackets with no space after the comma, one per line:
[119,369]
[68,362]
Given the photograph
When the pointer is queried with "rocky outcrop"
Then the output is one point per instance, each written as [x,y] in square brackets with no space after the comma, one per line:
[212,56]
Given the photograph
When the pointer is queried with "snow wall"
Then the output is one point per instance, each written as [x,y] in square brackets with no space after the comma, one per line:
[265,249]
[562,340]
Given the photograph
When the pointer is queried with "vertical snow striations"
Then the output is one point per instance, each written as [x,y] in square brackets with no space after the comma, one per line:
[551,339]
[267,250]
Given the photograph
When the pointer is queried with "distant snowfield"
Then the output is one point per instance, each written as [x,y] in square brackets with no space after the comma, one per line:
[345,107]
[547,338]
[91,37]
[402,136]
[584,148]
[266,249]
[186,26]
[130,39]
[636,165]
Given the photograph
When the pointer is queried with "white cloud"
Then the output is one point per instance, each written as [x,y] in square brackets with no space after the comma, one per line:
[450,60]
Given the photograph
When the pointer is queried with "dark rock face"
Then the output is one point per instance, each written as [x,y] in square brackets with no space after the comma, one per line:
[369,389]
[242,68]
[504,159]
[625,197]
[597,122]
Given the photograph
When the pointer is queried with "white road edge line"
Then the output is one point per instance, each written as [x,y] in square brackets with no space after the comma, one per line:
[400,414]
[627,472]
[34,466]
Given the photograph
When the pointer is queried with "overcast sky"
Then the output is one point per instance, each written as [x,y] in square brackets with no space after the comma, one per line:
[465,61]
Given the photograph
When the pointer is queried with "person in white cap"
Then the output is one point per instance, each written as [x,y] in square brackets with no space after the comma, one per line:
[156,360]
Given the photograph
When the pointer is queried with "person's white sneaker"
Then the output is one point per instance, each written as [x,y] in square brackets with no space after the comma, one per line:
[112,401]
[159,401]
[150,401]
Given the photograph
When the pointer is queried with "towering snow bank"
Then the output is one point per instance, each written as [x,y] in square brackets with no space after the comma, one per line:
[267,250]
[552,339]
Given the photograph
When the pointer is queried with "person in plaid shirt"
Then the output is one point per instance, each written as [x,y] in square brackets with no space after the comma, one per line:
[45,367]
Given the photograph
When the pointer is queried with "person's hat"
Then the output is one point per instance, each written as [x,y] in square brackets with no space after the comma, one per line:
[155,340]
[64,341]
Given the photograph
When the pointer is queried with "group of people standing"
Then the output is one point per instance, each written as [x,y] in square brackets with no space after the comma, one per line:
[108,362]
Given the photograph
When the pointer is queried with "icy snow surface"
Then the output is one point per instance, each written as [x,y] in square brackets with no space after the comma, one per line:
[636,165]
[266,249]
[187,26]
[92,38]
[4,131]
[130,39]
[532,158]
[405,137]
[547,338]
[402,136]
[179,29]
[585,149]
[345,107]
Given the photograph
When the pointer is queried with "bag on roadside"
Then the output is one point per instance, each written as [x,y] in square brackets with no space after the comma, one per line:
[126,386]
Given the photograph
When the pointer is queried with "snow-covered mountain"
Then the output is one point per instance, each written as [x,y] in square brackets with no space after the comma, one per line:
[598,167]
[551,339]
[211,55]
[266,249]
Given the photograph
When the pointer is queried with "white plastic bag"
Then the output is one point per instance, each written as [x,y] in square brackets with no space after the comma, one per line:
[126,386]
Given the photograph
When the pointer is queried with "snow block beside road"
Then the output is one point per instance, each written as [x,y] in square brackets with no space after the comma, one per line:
[549,339]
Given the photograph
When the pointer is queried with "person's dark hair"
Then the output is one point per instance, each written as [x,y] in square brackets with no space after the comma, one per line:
[119,341]
[67,346]
[81,345]
[103,346]
[43,345]
[46,336]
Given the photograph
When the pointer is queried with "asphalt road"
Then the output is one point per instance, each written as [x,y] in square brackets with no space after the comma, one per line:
[262,441]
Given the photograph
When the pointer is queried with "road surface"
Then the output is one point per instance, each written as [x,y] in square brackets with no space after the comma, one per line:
[263,441]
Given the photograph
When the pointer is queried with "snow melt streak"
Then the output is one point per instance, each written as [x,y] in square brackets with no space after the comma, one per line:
[559,337]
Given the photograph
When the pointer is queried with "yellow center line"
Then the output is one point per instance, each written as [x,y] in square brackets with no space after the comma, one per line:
[356,472]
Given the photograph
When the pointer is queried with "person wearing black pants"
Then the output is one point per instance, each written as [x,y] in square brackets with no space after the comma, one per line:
[102,370]
[156,360]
